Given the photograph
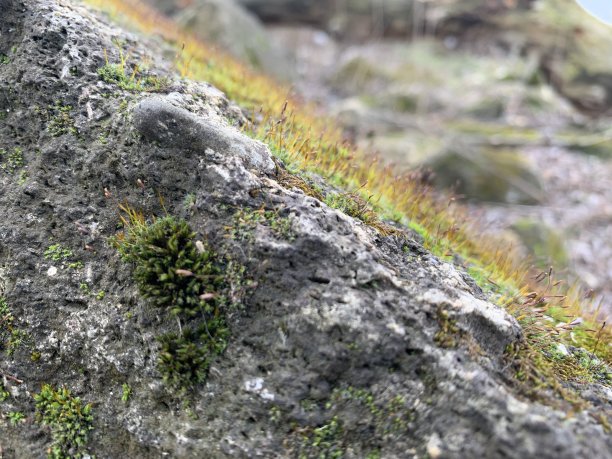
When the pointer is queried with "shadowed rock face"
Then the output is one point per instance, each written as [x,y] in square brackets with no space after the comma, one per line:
[9,27]
[345,341]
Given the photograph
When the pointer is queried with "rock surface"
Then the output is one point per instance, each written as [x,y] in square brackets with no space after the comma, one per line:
[346,342]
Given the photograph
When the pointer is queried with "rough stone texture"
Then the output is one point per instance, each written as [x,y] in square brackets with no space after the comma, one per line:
[174,127]
[336,309]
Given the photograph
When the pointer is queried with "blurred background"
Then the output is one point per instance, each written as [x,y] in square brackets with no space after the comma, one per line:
[505,103]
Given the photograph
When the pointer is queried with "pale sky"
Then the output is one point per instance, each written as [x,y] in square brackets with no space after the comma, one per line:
[599,8]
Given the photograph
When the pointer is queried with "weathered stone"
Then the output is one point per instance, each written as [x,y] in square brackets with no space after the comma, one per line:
[173,127]
[336,330]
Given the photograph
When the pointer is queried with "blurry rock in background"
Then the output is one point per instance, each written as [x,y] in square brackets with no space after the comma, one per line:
[487,175]
[226,24]
[544,243]
[509,102]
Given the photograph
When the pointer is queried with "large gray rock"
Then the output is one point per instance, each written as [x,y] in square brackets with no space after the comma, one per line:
[158,120]
[346,343]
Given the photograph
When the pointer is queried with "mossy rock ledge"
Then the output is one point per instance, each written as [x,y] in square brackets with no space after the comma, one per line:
[336,341]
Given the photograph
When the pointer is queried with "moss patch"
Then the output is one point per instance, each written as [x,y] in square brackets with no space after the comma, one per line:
[449,334]
[11,161]
[345,414]
[186,279]
[68,418]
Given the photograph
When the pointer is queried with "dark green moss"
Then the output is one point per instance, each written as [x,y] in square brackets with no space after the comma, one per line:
[187,279]
[184,359]
[170,270]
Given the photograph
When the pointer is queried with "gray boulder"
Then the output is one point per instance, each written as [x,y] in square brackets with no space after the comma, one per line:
[340,342]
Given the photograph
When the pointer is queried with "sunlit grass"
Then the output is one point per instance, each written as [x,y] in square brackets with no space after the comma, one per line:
[310,143]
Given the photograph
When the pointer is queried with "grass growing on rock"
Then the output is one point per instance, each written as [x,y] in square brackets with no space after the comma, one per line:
[130,78]
[184,278]
[309,143]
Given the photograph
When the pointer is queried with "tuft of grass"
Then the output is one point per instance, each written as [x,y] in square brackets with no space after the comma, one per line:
[357,207]
[129,77]
[68,418]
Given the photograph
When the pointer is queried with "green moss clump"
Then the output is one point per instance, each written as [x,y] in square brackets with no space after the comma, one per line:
[185,359]
[61,122]
[184,278]
[4,394]
[170,270]
[324,442]
[246,220]
[56,252]
[6,323]
[11,161]
[70,421]
[449,334]
[335,436]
